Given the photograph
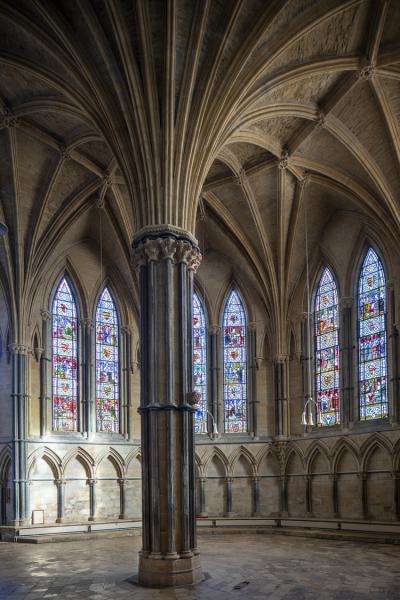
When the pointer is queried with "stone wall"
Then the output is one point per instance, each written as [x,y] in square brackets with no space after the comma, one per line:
[346,477]
[114,472]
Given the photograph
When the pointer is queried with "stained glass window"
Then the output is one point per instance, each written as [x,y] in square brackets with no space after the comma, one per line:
[65,360]
[235,365]
[200,364]
[326,319]
[372,351]
[107,364]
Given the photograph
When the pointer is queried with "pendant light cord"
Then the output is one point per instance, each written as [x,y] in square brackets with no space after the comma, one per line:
[308,306]
[101,244]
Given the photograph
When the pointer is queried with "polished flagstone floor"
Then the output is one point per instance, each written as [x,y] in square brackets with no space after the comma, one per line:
[235,567]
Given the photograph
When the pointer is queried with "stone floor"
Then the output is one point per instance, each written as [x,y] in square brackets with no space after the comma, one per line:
[263,566]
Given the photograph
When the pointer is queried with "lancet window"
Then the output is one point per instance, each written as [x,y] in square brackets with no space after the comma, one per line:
[200,364]
[107,365]
[235,364]
[65,359]
[326,357]
[372,346]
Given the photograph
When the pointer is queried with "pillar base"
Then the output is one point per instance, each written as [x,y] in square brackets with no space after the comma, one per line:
[160,572]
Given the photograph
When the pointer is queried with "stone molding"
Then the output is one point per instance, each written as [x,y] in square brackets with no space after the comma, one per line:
[162,231]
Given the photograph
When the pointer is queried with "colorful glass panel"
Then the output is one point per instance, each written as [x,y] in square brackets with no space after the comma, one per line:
[107,365]
[326,319]
[235,365]
[200,364]
[65,360]
[372,349]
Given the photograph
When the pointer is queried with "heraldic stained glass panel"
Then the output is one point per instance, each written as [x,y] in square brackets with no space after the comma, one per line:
[65,360]
[235,365]
[372,348]
[326,319]
[200,364]
[107,364]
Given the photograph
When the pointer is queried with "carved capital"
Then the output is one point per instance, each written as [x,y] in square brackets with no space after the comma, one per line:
[167,248]
[281,358]
[60,482]
[86,323]
[45,314]
[18,349]
[152,249]
[193,398]
[346,302]
[126,330]
[252,326]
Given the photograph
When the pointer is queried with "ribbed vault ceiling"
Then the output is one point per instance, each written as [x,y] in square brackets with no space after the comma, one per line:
[256,107]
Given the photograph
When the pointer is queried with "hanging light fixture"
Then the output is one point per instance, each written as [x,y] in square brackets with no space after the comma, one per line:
[307,415]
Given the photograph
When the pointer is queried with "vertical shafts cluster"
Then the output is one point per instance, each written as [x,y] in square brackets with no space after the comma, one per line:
[167,258]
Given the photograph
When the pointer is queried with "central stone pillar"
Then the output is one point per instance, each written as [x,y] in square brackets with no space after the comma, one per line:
[167,258]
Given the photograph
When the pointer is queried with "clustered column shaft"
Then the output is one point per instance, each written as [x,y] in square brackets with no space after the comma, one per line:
[166,258]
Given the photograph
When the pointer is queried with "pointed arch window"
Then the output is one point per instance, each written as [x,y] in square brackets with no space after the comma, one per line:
[372,347]
[200,364]
[235,365]
[326,320]
[65,359]
[107,364]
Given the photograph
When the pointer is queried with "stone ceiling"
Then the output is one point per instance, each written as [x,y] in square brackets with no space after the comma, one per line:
[255,107]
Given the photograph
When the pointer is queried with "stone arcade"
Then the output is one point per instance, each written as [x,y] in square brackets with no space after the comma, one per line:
[156,152]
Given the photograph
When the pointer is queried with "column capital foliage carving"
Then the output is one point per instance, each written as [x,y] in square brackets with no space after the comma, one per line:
[346,302]
[281,358]
[87,323]
[45,314]
[167,246]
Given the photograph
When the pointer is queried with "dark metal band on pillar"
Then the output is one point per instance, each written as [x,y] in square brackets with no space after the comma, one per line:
[166,258]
